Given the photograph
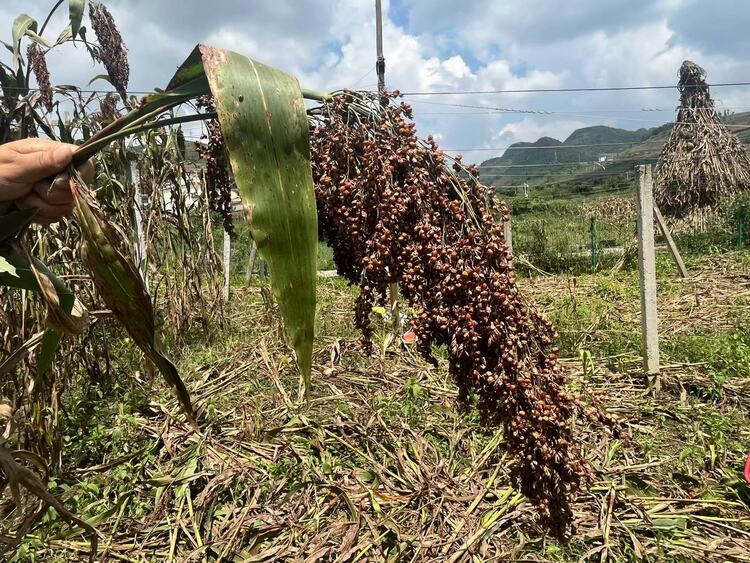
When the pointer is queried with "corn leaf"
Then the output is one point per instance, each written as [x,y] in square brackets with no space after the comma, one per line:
[64,312]
[18,476]
[264,123]
[21,25]
[7,268]
[104,77]
[65,35]
[75,10]
[12,223]
[120,284]
[159,101]
[26,278]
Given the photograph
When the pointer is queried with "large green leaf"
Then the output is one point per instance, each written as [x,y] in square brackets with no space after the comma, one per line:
[120,284]
[265,127]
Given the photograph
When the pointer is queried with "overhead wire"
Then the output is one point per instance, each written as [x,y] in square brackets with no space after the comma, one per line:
[570,89]
[498,110]
[557,147]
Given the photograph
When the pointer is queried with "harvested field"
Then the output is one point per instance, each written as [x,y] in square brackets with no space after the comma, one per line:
[384,466]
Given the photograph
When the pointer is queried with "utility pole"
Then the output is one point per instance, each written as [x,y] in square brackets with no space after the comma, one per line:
[380,62]
[380,69]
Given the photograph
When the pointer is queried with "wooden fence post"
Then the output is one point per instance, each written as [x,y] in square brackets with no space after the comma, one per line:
[227,263]
[673,251]
[647,270]
[251,264]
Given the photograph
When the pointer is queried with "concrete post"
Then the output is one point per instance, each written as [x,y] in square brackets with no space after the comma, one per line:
[227,260]
[647,269]
[251,263]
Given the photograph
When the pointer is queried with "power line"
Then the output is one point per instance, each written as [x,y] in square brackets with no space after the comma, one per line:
[365,75]
[739,127]
[560,112]
[576,89]
[584,115]
[571,164]
[59,90]
[530,110]
[490,109]
[559,147]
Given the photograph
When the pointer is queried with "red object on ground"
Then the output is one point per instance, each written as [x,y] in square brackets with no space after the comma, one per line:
[747,469]
[409,336]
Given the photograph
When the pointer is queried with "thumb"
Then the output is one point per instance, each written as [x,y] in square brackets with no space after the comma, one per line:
[43,163]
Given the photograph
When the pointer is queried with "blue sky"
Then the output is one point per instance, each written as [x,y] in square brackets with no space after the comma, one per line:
[437,45]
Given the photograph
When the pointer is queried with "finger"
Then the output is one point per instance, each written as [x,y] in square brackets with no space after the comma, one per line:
[43,208]
[11,190]
[31,162]
[56,193]
[87,171]
[8,151]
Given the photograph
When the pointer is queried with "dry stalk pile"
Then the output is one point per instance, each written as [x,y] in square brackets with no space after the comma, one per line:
[703,164]
[614,209]
[394,209]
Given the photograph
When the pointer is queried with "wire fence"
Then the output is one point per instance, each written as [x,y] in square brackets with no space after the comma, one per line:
[584,229]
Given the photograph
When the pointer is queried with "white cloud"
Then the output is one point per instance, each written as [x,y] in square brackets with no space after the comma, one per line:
[441,46]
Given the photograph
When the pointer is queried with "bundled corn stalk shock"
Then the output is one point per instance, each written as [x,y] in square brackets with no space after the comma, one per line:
[395,209]
[703,165]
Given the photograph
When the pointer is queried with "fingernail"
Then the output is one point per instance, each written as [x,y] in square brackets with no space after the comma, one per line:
[59,180]
[62,155]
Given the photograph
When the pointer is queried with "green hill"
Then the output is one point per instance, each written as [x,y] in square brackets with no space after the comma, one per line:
[574,160]
[523,162]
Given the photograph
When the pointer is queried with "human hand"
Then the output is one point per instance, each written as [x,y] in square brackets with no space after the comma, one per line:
[26,168]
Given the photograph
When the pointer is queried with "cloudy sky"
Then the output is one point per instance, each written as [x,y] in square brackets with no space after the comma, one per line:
[448,46]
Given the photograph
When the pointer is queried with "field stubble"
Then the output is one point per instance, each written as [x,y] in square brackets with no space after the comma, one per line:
[383,465]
